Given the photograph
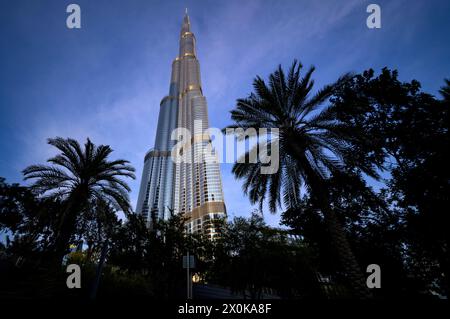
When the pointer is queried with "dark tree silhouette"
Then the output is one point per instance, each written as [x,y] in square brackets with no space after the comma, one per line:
[251,256]
[409,137]
[78,176]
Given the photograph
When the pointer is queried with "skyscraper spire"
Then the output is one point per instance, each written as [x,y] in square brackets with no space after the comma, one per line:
[193,187]
[186,23]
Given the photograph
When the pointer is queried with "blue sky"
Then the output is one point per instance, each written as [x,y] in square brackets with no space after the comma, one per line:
[105,80]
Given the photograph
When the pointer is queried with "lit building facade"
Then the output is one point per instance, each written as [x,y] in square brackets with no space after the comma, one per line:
[191,186]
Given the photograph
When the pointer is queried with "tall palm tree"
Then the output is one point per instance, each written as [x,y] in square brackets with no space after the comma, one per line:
[313,146]
[78,176]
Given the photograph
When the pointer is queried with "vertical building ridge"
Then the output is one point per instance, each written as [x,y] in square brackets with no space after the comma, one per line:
[193,187]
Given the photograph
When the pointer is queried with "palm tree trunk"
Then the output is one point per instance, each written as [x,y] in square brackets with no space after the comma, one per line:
[64,234]
[98,272]
[68,223]
[346,257]
[319,195]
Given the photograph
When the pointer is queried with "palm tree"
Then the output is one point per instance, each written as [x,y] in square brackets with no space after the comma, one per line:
[79,176]
[313,146]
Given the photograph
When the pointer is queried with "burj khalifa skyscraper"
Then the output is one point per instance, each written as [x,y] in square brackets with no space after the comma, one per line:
[192,187]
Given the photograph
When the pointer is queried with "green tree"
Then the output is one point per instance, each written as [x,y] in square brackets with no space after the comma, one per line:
[373,226]
[409,137]
[98,225]
[155,252]
[251,256]
[28,219]
[78,176]
[314,145]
